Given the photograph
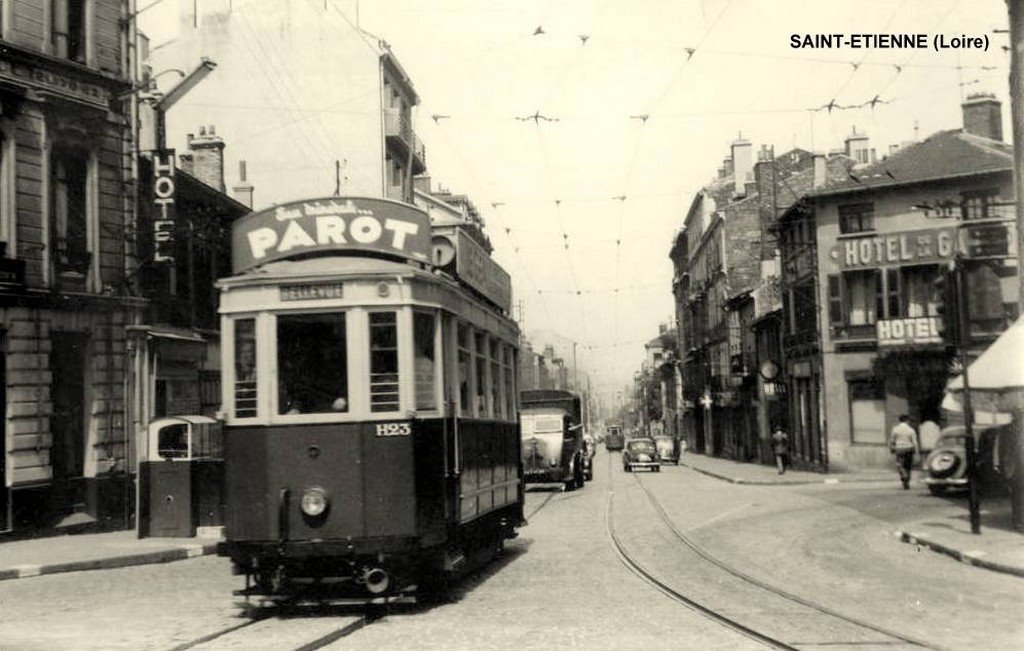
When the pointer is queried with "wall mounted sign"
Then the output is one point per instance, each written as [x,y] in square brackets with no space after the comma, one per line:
[909,332]
[933,245]
[478,270]
[163,200]
[53,82]
[332,224]
[312,292]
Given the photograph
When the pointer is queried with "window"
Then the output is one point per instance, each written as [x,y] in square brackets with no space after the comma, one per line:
[497,405]
[312,364]
[978,204]
[510,391]
[483,380]
[465,370]
[856,218]
[862,297]
[69,209]
[424,325]
[920,296]
[867,411]
[67,29]
[383,361]
[245,368]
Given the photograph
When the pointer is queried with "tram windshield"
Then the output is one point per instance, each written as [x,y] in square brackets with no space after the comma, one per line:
[312,363]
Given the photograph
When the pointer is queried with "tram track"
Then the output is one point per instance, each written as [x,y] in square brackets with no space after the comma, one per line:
[262,628]
[757,633]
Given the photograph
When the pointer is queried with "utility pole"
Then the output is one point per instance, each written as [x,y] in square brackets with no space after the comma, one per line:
[1016,16]
[970,456]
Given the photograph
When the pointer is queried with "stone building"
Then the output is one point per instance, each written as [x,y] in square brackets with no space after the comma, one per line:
[864,254]
[314,104]
[65,297]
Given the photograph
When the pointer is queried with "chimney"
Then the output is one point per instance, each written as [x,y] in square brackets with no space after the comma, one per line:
[662,328]
[857,147]
[743,163]
[208,153]
[421,183]
[820,171]
[983,116]
[242,191]
[186,164]
[726,167]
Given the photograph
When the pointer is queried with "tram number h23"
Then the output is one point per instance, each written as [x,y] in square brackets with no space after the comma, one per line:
[394,429]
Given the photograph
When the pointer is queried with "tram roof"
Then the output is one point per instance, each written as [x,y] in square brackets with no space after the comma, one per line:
[323,267]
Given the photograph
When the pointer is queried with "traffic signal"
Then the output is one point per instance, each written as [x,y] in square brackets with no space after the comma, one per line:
[946,296]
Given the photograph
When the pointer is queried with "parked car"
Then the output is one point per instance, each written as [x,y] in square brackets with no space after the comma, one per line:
[668,450]
[640,453]
[945,468]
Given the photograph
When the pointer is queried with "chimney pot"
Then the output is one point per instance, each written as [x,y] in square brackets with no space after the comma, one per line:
[202,131]
[983,116]
[213,130]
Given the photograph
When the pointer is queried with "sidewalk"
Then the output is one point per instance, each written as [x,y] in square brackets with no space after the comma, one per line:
[947,531]
[21,559]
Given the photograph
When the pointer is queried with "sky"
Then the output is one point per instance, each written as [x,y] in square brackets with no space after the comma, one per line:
[637,102]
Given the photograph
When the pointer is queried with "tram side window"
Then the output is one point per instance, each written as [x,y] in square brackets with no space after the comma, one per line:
[383,361]
[465,369]
[508,368]
[496,402]
[312,362]
[245,368]
[424,325]
[482,378]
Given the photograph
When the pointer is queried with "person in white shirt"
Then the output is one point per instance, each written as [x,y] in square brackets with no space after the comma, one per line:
[903,444]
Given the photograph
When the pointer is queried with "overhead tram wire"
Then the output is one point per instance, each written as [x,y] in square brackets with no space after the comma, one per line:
[494,205]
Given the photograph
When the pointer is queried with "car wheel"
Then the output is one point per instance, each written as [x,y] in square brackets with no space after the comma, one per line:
[943,464]
[657,468]
[936,490]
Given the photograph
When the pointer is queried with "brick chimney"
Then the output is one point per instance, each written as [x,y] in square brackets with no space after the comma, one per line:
[742,164]
[242,191]
[820,171]
[208,157]
[983,116]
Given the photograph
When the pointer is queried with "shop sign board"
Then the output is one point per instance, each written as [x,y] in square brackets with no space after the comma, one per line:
[331,224]
[164,194]
[910,331]
[934,245]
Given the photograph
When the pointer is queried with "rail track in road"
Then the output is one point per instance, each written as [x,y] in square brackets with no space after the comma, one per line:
[296,632]
[827,618]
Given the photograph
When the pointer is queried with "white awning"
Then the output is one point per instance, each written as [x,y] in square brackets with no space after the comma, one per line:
[1000,368]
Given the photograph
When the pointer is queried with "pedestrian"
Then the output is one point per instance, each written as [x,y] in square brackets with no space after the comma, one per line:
[903,444]
[780,447]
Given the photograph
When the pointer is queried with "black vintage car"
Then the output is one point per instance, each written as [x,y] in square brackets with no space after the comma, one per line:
[552,438]
[640,453]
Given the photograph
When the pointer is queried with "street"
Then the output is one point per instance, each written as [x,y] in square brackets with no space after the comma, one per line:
[806,566]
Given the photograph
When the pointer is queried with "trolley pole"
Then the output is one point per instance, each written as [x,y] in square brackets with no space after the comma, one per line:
[970,457]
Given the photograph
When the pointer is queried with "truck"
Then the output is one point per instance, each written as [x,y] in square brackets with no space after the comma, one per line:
[551,426]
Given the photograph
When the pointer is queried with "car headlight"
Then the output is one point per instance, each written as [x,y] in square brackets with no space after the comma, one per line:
[314,501]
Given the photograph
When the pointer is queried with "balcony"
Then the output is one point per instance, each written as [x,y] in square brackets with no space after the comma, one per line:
[399,134]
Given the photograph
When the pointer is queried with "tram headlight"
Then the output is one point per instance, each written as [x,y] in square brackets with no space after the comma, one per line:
[314,501]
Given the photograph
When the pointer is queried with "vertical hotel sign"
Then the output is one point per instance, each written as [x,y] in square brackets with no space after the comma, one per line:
[163,200]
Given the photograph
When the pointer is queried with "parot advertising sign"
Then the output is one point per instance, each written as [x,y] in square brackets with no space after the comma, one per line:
[341,224]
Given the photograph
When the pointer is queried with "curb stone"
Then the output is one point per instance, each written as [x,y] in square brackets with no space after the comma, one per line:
[974,558]
[143,558]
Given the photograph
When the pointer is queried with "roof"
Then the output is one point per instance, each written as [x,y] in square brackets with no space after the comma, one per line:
[943,155]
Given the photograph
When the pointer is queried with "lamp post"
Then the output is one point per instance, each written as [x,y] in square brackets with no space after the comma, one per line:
[970,458]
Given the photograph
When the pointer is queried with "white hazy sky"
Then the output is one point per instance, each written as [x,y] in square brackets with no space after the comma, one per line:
[546,190]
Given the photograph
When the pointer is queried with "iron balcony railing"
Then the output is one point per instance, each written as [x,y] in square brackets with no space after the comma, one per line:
[399,125]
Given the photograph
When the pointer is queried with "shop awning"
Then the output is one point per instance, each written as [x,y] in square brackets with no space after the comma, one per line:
[1000,368]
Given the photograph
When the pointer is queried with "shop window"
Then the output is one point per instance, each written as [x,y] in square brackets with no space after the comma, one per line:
[245,368]
[979,204]
[856,218]
[69,208]
[867,411]
[383,361]
[465,370]
[424,327]
[312,364]
[67,29]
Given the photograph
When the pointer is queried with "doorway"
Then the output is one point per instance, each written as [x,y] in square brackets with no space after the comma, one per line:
[67,391]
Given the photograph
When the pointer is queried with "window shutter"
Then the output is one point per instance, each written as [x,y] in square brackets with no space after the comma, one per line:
[835,300]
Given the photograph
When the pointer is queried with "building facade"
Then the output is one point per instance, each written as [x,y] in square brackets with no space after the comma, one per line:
[865,258]
[65,299]
[327,109]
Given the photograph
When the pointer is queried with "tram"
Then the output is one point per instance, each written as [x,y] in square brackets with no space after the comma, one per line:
[371,440]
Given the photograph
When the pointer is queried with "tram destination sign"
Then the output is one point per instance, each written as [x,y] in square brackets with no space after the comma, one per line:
[338,224]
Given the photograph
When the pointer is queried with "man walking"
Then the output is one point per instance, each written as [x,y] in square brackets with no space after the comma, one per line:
[903,443]
[780,447]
